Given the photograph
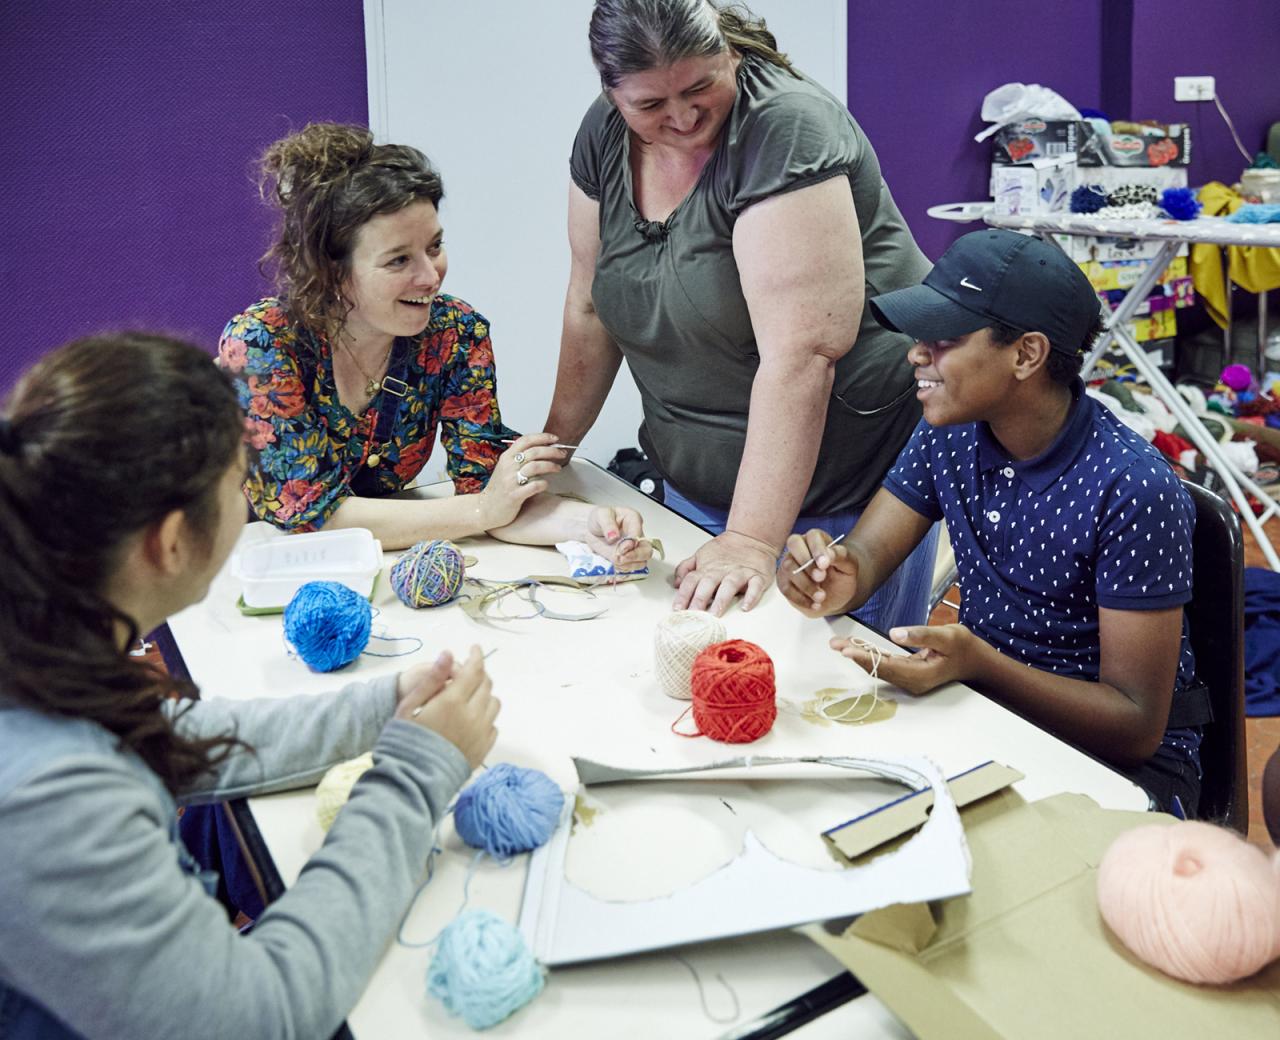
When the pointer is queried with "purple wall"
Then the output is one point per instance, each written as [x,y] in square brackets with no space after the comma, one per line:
[918,71]
[1239,44]
[130,130]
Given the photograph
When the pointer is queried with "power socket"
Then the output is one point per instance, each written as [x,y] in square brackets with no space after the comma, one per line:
[1193,88]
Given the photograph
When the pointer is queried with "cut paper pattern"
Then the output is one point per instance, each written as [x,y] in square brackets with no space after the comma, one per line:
[757,891]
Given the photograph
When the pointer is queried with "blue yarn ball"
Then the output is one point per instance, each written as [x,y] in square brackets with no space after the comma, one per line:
[508,810]
[1088,198]
[482,969]
[327,624]
[1180,203]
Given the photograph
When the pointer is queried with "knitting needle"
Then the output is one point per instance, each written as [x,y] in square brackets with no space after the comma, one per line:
[566,447]
[835,541]
[487,654]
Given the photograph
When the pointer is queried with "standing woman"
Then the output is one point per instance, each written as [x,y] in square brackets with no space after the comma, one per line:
[348,373]
[121,464]
[727,220]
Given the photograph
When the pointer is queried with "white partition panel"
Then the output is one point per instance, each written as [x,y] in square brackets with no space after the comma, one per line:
[493,91]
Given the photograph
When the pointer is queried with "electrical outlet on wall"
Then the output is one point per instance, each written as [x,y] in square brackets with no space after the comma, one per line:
[1193,88]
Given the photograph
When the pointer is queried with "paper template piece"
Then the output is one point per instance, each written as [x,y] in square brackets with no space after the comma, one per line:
[755,892]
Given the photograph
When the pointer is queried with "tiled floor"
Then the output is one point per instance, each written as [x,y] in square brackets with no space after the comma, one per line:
[1262,735]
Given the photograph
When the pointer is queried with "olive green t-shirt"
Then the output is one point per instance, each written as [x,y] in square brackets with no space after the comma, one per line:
[670,296]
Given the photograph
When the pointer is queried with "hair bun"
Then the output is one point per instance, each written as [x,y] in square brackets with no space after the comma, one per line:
[315,157]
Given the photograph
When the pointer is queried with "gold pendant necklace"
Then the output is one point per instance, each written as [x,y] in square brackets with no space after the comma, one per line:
[371,385]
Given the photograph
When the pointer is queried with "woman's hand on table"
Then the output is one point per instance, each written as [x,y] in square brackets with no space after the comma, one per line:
[729,565]
[452,700]
[518,477]
[617,534]
[830,580]
[945,653]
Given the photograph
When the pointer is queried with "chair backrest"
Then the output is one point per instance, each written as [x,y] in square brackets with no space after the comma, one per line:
[1215,618]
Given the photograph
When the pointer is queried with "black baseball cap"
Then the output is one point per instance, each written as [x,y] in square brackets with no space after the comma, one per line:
[996,275]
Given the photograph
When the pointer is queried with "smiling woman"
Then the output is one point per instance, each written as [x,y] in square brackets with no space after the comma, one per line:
[347,374]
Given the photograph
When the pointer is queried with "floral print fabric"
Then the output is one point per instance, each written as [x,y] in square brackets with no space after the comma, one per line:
[309,447]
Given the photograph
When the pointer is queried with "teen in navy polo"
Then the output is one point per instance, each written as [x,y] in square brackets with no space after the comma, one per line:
[1072,534]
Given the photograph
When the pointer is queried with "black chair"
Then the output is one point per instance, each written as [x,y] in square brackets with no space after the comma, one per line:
[1215,619]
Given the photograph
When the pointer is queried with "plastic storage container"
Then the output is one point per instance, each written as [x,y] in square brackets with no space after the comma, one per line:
[271,571]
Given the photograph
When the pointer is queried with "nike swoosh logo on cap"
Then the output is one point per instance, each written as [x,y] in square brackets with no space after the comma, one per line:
[969,285]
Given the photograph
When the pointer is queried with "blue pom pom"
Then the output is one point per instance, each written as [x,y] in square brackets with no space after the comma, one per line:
[1088,198]
[327,624]
[508,810]
[482,970]
[1180,203]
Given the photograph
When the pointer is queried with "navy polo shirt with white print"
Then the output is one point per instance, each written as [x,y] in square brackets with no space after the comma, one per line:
[1099,519]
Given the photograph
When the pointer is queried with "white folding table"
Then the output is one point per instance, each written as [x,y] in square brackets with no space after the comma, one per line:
[588,688]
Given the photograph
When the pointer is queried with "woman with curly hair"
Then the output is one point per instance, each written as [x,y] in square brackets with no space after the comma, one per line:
[347,374]
[116,510]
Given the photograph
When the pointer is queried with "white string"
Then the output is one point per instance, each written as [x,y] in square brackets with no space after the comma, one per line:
[1232,127]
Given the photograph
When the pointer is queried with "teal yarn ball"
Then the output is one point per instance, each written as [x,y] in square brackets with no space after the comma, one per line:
[428,574]
[508,810]
[327,624]
[482,969]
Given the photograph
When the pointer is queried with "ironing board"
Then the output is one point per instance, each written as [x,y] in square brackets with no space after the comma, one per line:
[1172,234]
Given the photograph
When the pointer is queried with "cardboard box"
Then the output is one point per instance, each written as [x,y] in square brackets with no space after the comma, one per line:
[1027,953]
[1091,247]
[1038,139]
[1037,186]
[1122,274]
[1111,177]
[1152,147]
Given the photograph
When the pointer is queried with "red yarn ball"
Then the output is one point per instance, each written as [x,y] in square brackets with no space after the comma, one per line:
[733,692]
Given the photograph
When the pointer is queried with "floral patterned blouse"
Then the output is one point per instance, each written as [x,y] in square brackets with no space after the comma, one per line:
[312,452]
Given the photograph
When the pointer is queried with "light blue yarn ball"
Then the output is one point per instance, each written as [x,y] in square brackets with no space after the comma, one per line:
[327,624]
[508,810]
[482,970]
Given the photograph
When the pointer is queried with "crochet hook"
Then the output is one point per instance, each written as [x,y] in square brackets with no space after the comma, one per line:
[834,541]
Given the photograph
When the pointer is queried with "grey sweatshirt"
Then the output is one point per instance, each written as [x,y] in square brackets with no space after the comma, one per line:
[101,925]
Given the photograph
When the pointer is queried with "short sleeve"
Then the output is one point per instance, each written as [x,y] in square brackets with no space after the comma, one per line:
[787,142]
[584,160]
[911,478]
[1144,541]
[296,478]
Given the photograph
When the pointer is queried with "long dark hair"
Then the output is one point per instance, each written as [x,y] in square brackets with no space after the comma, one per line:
[99,439]
[328,180]
[629,36]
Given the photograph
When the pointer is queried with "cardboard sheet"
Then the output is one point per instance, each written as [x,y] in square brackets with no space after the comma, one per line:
[757,891]
[1027,954]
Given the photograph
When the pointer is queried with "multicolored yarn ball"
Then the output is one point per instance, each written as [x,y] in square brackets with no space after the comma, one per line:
[335,788]
[482,969]
[1180,203]
[507,810]
[1088,198]
[734,698]
[428,574]
[327,624]
[1193,900]
[677,641]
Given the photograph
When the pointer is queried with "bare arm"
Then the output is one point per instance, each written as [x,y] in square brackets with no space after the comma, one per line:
[589,358]
[843,577]
[799,258]
[1121,717]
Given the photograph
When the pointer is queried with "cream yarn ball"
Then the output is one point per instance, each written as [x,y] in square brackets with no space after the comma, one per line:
[1193,900]
[679,638]
[334,790]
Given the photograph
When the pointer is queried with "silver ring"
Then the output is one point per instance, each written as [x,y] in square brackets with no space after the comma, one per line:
[521,479]
[519,457]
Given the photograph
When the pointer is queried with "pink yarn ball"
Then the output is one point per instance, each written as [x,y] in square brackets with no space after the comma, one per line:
[1193,900]
[1238,377]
